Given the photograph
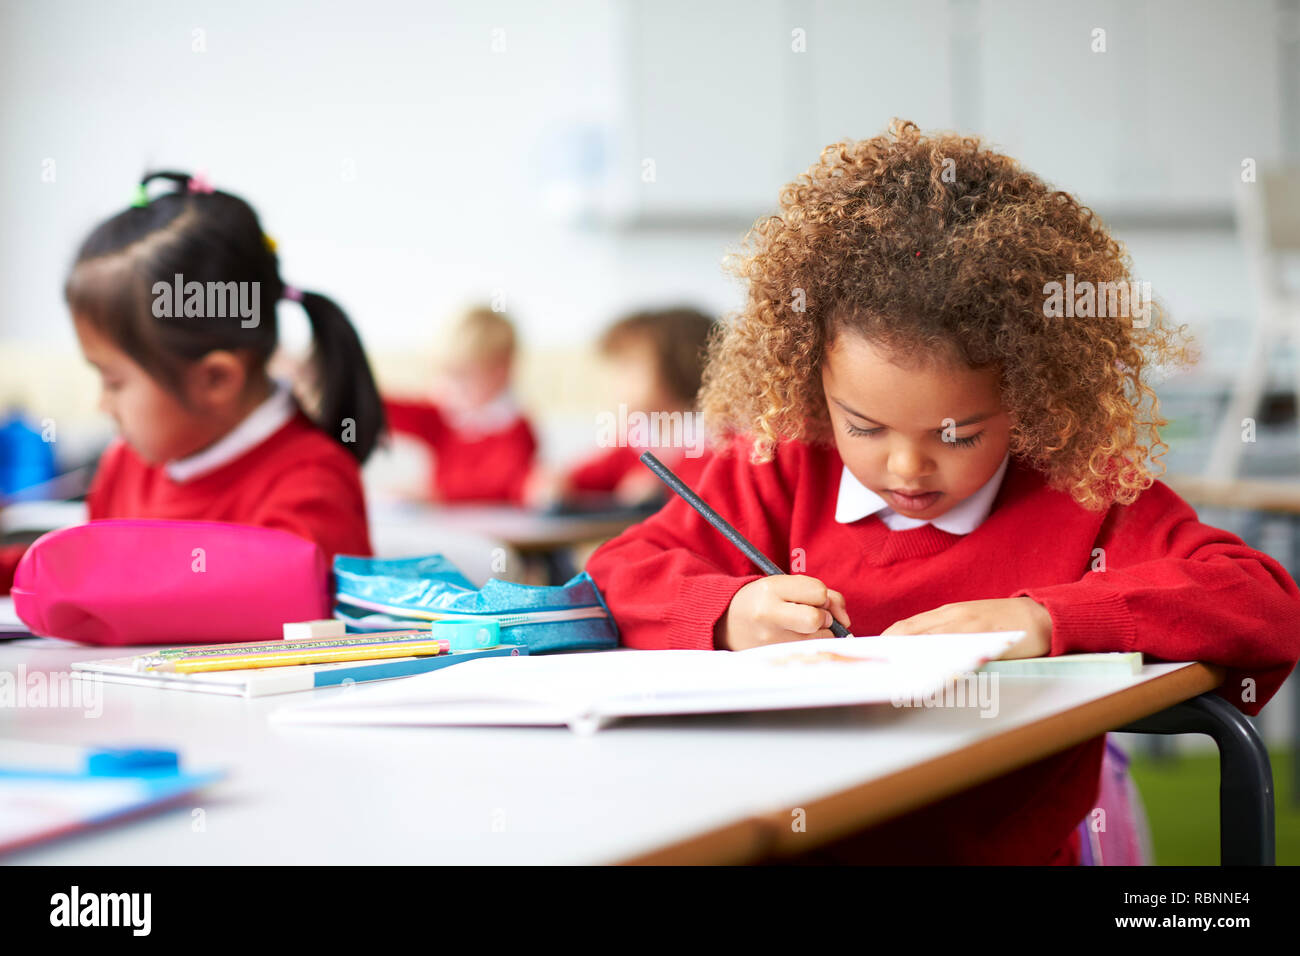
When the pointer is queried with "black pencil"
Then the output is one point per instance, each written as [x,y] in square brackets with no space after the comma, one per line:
[712,517]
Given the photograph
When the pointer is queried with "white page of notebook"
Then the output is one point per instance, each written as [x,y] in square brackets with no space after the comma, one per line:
[579,689]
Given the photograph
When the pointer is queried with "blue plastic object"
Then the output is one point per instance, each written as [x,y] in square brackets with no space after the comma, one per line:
[26,459]
[131,763]
[467,635]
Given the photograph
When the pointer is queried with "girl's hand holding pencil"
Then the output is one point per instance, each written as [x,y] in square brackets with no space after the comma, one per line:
[781,607]
[796,608]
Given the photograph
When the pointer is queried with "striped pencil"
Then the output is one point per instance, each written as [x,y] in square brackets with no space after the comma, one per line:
[289,658]
[220,650]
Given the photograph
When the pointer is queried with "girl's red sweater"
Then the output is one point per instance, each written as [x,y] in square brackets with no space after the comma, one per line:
[1172,588]
[298,479]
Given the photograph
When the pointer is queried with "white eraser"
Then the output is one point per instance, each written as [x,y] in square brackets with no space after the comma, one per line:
[302,630]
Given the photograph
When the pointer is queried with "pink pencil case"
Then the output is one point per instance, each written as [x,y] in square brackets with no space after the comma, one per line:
[142,581]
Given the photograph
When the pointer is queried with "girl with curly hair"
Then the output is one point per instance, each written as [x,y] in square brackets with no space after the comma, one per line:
[930,438]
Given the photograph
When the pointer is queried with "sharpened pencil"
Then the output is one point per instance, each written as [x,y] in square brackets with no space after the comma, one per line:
[765,564]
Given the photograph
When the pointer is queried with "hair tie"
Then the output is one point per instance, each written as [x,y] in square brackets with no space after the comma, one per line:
[292,293]
[140,198]
[199,183]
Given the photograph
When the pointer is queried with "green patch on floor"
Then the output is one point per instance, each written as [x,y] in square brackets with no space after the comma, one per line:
[1181,796]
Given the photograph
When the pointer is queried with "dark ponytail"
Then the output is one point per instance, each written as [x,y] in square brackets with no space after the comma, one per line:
[215,239]
[350,410]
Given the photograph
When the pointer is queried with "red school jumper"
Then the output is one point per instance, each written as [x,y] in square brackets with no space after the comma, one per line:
[1172,588]
[468,466]
[299,480]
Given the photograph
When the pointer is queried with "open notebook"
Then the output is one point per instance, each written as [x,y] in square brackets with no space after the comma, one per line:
[586,690]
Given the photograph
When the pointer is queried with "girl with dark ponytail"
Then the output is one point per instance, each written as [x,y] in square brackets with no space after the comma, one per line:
[174,302]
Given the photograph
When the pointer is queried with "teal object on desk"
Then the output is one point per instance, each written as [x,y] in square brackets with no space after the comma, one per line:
[125,763]
[1107,664]
[376,594]
[115,783]
[467,635]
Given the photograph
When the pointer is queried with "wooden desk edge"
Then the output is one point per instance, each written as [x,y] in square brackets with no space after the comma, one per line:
[769,834]
[1279,497]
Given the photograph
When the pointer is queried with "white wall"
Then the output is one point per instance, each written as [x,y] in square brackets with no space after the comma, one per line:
[456,152]
[404,166]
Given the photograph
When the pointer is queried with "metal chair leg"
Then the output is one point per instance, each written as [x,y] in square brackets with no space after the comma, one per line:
[1246,821]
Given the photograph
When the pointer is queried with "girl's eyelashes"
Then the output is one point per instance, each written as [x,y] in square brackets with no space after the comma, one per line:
[970,441]
[855,430]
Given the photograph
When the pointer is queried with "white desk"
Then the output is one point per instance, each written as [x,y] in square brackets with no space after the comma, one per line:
[42,515]
[538,795]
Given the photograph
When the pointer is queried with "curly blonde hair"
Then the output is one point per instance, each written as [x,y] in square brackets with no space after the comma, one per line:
[933,246]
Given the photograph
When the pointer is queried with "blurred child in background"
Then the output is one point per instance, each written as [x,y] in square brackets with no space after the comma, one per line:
[656,360]
[206,433]
[482,444]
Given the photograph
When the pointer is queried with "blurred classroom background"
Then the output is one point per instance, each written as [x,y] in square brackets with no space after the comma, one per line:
[576,161]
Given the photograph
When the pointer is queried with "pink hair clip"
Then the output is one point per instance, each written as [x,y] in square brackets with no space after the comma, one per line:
[292,293]
[199,183]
